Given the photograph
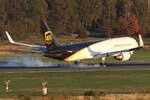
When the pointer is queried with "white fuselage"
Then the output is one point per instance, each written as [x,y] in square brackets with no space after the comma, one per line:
[98,49]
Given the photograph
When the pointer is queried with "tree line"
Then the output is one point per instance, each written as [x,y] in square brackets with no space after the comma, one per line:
[82,17]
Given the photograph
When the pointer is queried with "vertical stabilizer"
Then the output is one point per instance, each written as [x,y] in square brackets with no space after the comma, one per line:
[141,43]
[50,40]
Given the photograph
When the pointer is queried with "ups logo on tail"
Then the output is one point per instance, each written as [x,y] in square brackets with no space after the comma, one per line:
[48,37]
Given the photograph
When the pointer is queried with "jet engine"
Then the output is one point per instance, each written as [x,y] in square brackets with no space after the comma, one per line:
[123,56]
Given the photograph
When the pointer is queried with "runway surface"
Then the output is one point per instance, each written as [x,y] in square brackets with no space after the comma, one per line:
[75,68]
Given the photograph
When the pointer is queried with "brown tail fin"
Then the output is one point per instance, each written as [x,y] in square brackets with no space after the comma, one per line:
[50,40]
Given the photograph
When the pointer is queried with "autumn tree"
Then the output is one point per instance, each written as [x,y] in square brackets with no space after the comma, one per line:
[123,25]
[68,17]
[133,26]
[128,25]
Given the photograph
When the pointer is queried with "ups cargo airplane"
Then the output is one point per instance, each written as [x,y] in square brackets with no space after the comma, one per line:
[121,48]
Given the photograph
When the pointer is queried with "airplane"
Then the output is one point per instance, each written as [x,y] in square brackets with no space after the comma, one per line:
[121,48]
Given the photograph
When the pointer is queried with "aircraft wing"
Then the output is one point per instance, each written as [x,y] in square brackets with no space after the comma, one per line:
[35,48]
[21,51]
[99,55]
[118,52]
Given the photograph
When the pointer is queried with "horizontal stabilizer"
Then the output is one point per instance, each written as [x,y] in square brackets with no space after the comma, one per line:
[20,51]
[37,48]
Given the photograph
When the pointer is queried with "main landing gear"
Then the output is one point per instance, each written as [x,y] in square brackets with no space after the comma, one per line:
[77,62]
[103,62]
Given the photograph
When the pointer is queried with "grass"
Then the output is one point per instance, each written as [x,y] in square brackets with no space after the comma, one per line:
[76,83]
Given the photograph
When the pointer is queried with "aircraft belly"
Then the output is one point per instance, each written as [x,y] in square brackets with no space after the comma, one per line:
[81,54]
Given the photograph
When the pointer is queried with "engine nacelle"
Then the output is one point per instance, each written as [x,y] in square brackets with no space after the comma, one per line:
[124,56]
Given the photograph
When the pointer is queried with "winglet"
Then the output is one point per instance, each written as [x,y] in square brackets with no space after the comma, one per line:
[141,43]
[9,38]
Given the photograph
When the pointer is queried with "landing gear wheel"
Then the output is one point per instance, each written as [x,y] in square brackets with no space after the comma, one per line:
[77,62]
[103,62]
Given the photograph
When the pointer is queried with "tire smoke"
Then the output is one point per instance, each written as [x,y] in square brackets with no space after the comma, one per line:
[26,62]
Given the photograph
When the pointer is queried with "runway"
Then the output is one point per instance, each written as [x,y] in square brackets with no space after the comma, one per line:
[76,68]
